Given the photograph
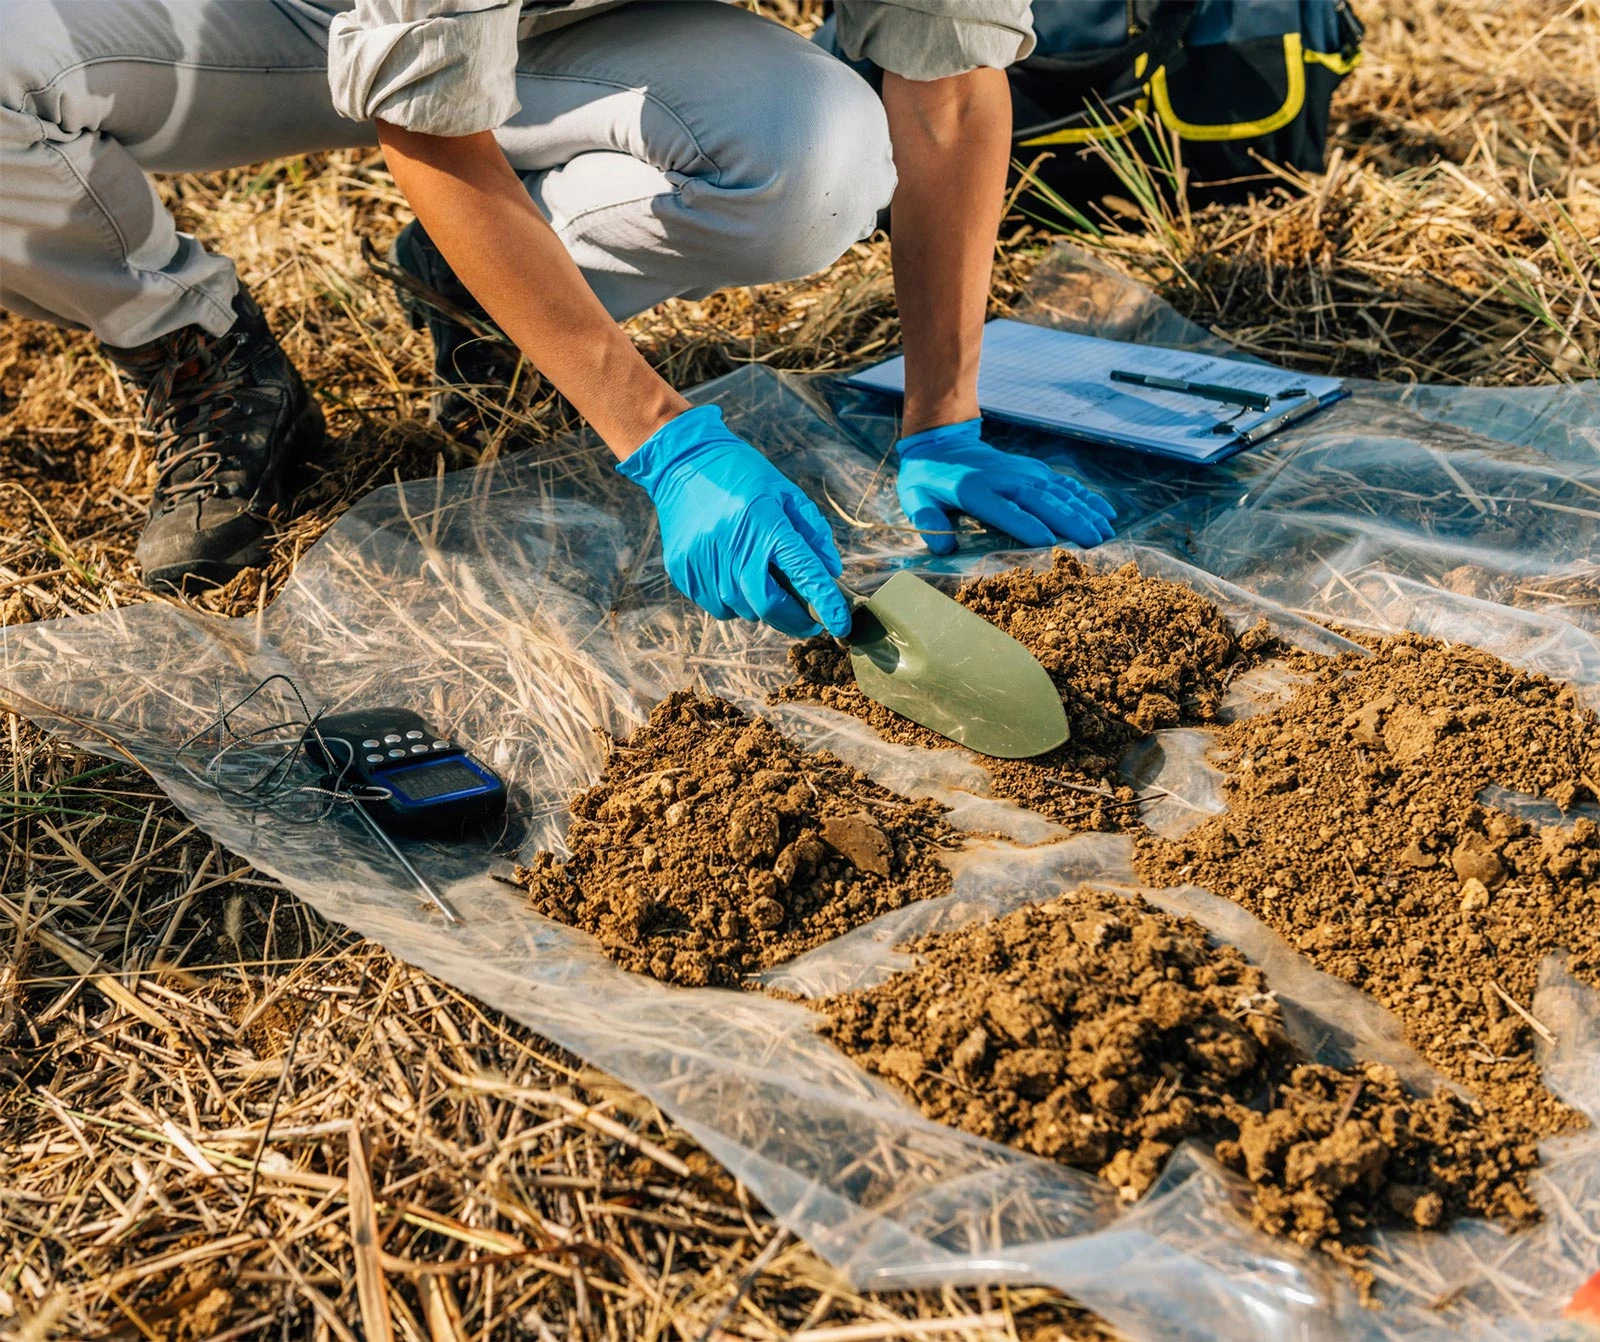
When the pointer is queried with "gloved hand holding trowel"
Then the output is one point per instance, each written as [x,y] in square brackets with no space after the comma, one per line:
[730,520]
[740,538]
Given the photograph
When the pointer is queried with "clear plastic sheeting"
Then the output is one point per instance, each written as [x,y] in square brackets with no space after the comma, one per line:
[523,607]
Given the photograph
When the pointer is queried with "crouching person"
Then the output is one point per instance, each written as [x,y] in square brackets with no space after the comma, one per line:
[569,165]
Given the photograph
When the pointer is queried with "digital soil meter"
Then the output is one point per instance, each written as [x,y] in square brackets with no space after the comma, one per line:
[408,777]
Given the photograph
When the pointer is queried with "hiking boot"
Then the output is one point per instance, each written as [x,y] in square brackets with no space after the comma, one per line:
[472,360]
[229,415]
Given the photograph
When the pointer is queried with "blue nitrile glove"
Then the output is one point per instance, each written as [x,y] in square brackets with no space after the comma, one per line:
[729,518]
[952,470]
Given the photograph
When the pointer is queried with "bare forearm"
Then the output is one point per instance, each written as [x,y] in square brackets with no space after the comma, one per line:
[477,211]
[952,140]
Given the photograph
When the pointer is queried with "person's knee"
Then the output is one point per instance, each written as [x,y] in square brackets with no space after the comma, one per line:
[51,81]
[817,170]
[27,63]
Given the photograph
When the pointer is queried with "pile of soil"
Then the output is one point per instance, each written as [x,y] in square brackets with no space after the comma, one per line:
[713,847]
[1129,654]
[1354,828]
[1100,1031]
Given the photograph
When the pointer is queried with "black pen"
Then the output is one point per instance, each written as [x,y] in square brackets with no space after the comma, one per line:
[1250,400]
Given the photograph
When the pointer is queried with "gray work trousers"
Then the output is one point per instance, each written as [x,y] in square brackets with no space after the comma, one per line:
[676,148]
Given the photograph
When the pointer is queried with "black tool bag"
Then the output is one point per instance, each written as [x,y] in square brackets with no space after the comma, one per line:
[1230,79]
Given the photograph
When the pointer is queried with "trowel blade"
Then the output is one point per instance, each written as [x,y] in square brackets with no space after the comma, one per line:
[927,657]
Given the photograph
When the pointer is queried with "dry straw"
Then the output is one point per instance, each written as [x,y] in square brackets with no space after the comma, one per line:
[225,1119]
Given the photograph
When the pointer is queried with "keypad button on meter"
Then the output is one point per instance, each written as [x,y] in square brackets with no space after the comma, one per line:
[419,749]
[397,754]
[392,739]
[372,743]
[441,745]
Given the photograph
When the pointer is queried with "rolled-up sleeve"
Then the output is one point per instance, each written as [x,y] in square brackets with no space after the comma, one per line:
[441,67]
[934,39]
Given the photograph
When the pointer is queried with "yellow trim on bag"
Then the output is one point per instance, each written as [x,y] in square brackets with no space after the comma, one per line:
[1295,58]
[1084,134]
[1294,62]
[1340,65]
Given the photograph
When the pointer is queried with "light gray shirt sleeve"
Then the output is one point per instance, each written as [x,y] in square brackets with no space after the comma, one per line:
[441,67]
[934,39]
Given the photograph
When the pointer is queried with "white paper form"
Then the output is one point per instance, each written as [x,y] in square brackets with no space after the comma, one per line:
[1061,382]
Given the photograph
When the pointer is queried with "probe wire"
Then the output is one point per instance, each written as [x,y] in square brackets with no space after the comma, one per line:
[275,784]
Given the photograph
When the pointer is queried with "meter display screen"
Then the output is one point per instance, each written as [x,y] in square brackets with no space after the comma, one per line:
[429,782]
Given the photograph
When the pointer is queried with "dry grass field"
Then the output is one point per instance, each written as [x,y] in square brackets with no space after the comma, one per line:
[160,1001]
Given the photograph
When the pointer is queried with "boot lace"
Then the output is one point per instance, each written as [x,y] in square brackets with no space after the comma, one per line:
[189,408]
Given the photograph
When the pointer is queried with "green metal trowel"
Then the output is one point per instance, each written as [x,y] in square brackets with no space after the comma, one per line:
[928,658]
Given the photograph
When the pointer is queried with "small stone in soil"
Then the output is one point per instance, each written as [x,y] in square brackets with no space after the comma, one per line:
[714,847]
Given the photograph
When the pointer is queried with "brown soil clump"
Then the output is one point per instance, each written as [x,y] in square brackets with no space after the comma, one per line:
[713,847]
[1100,1031]
[1129,655]
[1353,828]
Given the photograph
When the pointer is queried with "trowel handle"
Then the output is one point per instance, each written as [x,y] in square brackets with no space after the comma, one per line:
[853,598]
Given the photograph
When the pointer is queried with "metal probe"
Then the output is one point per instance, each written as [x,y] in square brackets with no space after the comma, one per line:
[422,881]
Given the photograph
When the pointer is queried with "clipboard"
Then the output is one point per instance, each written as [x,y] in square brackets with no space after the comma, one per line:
[1061,382]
